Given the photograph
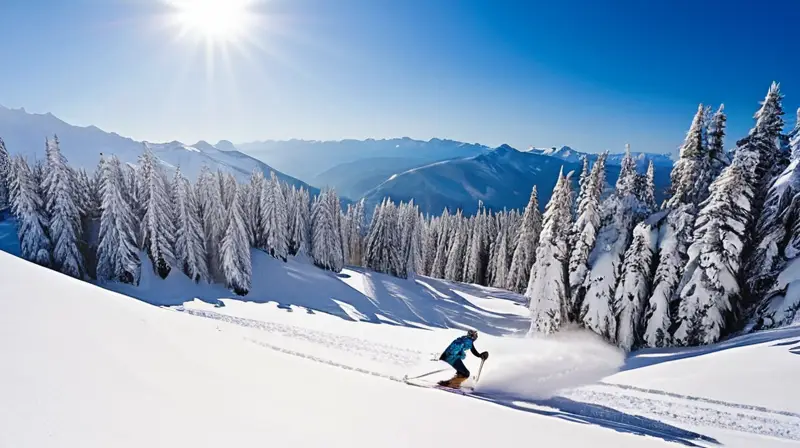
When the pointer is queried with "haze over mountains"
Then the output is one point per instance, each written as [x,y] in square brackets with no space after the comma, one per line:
[436,173]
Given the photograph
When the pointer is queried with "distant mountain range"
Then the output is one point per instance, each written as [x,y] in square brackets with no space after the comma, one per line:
[308,160]
[501,178]
[570,155]
[25,133]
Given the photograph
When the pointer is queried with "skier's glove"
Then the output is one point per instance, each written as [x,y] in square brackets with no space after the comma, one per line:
[485,356]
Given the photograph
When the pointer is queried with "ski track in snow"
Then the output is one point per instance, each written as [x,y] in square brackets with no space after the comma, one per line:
[695,411]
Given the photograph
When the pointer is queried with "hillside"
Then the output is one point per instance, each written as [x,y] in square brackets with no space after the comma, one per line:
[130,374]
[502,178]
[25,134]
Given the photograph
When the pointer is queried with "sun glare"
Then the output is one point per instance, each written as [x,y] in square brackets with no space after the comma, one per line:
[216,20]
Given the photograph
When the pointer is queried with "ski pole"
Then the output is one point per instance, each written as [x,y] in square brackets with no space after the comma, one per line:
[479,370]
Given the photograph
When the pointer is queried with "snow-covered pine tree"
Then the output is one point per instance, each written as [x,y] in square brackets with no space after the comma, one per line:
[356,229]
[634,285]
[324,235]
[190,240]
[117,253]
[584,233]
[710,288]
[717,159]
[28,208]
[478,250]
[409,240]
[585,172]
[299,238]
[254,213]
[431,236]
[214,218]
[648,194]
[381,251]
[454,269]
[779,245]
[686,176]
[526,241]
[64,229]
[5,178]
[620,212]
[761,268]
[548,288]
[501,259]
[446,230]
[235,248]
[274,217]
[335,206]
[157,226]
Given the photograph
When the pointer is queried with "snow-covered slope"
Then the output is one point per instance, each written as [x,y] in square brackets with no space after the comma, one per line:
[307,159]
[25,134]
[85,367]
[570,155]
[502,178]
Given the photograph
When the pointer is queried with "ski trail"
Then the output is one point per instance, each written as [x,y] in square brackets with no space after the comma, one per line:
[374,351]
[701,399]
[768,423]
[601,402]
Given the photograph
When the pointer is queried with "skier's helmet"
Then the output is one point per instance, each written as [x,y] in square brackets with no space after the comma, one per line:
[472,334]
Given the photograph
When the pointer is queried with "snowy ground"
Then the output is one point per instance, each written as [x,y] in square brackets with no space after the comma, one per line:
[87,367]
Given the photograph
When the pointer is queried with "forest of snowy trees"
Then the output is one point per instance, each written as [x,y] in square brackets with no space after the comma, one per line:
[720,255]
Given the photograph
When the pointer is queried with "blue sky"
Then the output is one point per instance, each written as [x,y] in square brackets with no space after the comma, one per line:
[526,73]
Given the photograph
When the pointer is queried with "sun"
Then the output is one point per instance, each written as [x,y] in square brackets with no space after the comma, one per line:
[219,21]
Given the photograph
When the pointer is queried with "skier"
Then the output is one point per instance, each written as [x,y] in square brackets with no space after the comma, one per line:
[453,355]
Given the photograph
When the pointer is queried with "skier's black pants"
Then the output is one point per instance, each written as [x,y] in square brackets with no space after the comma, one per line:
[461,369]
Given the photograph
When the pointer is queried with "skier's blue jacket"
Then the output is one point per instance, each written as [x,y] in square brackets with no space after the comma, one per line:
[458,350]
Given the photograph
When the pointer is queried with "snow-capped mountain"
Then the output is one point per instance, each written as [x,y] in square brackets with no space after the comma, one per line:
[501,178]
[25,134]
[306,159]
[571,155]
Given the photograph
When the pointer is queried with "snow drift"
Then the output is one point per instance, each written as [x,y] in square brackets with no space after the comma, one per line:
[538,368]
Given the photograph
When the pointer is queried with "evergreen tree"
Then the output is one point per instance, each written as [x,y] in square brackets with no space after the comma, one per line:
[478,251]
[620,214]
[356,229]
[190,240]
[717,160]
[214,219]
[157,226]
[526,241]
[686,176]
[548,288]
[325,245]
[274,217]
[501,260]
[235,250]
[253,211]
[770,229]
[299,238]
[117,253]
[584,232]
[648,193]
[634,286]
[454,269]
[63,212]
[382,250]
[710,287]
[446,230]
[335,207]
[28,208]
[429,248]
[5,178]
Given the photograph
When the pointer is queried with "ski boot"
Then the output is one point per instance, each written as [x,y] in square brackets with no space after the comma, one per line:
[453,383]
